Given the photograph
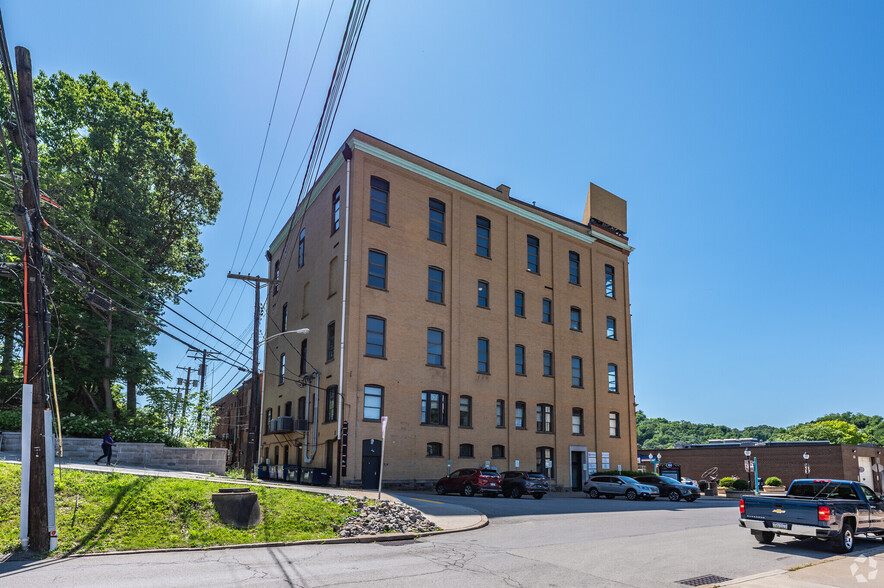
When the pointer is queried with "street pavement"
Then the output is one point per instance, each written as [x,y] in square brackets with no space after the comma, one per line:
[565,539]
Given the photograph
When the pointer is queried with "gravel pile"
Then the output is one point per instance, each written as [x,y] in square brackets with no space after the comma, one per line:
[382,516]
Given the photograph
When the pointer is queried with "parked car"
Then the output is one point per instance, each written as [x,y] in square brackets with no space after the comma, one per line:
[470,481]
[671,488]
[689,481]
[515,484]
[831,510]
[611,486]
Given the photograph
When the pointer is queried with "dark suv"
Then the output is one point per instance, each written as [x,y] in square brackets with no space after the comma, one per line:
[515,484]
[671,487]
[469,481]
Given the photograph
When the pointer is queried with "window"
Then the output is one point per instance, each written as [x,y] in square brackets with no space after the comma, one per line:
[435,338]
[285,318]
[380,193]
[482,356]
[544,418]
[576,421]
[304,299]
[533,254]
[545,462]
[372,403]
[268,416]
[611,330]
[331,403]
[519,303]
[612,379]
[276,277]
[614,424]
[483,236]
[375,328]
[434,449]
[482,294]
[302,237]
[576,372]
[303,363]
[574,267]
[336,211]
[547,310]
[434,408]
[547,363]
[520,415]
[609,281]
[499,417]
[377,269]
[333,276]
[285,453]
[520,360]
[435,285]
[288,409]
[575,319]
[498,452]
[330,342]
[466,411]
[466,450]
[302,408]
[276,455]
[437,221]
[282,369]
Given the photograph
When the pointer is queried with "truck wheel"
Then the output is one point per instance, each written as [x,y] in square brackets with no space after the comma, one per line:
[593,493]
[674,495]
[764,537]
[843,541]
[631,494]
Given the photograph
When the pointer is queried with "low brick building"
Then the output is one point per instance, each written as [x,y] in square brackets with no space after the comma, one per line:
[231,427]
[784,460]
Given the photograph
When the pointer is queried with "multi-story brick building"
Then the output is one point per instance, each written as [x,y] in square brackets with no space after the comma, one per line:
[486,329]
[232,419]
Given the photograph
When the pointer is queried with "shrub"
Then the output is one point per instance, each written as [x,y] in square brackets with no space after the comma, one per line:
[726,482]
[10,420]
[741,484]
[773,481]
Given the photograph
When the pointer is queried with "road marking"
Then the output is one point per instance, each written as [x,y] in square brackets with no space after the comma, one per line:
[423,500]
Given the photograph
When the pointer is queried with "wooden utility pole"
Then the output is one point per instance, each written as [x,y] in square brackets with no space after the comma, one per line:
[35,331]
[184,404]
[254,404]
[199,406]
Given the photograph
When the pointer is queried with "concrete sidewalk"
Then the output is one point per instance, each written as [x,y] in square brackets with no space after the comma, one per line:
[448,517]
[862,569]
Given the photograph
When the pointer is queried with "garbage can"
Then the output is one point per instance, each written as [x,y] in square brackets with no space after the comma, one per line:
[263,471]
[320,477]
[307,475]
[292,473]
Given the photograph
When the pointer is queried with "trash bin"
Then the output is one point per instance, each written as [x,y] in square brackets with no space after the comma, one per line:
[263,471]
[307,475]
[320,477]
[292,473]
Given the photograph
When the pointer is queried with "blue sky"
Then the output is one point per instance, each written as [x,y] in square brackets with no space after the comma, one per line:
[745,138]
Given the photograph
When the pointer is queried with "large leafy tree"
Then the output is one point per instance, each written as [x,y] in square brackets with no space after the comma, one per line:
[830,430]
[134,197]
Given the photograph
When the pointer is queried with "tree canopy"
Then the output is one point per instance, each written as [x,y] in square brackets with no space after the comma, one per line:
[129,185]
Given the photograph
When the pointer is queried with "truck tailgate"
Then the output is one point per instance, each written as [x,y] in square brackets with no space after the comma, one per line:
[790,511]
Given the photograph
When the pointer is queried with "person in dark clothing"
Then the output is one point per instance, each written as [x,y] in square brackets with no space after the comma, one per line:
[107,445]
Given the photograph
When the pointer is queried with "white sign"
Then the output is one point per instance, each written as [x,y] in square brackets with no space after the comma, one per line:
[487,464]
[517,464]
[383,427]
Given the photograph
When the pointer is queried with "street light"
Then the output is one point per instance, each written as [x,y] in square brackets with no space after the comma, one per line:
[294,332]
[806,464]
[753,468]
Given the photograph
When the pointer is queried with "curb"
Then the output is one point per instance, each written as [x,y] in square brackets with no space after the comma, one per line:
[871,552]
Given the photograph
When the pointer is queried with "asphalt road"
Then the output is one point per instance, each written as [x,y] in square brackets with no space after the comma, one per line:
[549,542]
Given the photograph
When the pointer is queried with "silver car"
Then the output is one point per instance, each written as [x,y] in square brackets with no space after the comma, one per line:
[611,486]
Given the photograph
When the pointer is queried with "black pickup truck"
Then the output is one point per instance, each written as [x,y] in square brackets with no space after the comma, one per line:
[831,510]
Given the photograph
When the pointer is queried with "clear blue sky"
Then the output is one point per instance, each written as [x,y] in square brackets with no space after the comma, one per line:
[747,139]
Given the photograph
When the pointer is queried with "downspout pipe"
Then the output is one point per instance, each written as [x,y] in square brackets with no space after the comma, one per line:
[314,409]
[348,155]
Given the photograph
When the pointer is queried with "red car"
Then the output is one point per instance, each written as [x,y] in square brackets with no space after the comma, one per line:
[470,481]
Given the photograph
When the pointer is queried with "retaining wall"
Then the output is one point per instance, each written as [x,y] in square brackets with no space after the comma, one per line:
[152,455]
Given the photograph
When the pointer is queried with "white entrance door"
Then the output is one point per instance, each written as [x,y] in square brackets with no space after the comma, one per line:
[865,470]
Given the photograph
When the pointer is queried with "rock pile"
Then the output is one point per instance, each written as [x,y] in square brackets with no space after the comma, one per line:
[381,516]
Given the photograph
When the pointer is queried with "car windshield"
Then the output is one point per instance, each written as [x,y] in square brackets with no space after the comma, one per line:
[669,480]
[491,473]
[535,476]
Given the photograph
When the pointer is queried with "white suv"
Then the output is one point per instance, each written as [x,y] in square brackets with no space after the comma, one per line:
[611,486]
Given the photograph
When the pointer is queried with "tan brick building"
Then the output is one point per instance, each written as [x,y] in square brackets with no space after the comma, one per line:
[486,329]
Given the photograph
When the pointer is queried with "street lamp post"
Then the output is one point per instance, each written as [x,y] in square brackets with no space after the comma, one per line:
[754,468]
[657,465]
[806,463]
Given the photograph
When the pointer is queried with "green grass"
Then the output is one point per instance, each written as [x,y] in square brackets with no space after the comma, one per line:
[106,512]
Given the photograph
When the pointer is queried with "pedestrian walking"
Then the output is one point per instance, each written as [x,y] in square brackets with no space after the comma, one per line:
[107,446]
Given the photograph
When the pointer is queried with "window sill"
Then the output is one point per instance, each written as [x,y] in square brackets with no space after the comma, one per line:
[434,365]
[522,375]
[570,283]
[483,307]
[576,330]
[435,302]
[436,456]
[521,316]
[500,427]
[375,356]
[548,376]
[465,427]
[533,273]
[573,434]
[377,222]
[484,373]
[431,240]
[432,425]
[614,392]
[384,289]
[488,257]
[545,432]
[466,457]
[611,338]
[580,387]
[328,361]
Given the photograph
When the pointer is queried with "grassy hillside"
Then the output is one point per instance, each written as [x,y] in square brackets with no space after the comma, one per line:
[105,512]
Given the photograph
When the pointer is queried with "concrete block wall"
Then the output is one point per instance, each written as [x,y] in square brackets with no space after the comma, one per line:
[151,455]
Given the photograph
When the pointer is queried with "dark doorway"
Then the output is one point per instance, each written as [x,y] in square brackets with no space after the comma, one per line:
[371,464]
[330,457]
[577,470]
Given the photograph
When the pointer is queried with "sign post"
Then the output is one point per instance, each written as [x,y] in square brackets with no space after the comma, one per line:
[383,447]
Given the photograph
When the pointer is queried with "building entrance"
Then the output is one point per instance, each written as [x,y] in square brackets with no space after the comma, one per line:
[371,464]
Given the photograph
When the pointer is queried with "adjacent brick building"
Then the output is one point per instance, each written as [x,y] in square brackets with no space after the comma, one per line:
[232,419]
[487,329]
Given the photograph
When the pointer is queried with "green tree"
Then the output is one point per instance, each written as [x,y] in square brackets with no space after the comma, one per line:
[871,425]
[121,169]
[830,430]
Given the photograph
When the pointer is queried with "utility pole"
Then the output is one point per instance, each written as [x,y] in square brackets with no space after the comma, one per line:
[184,404]
[199,406]
[36,356]
[254,404]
